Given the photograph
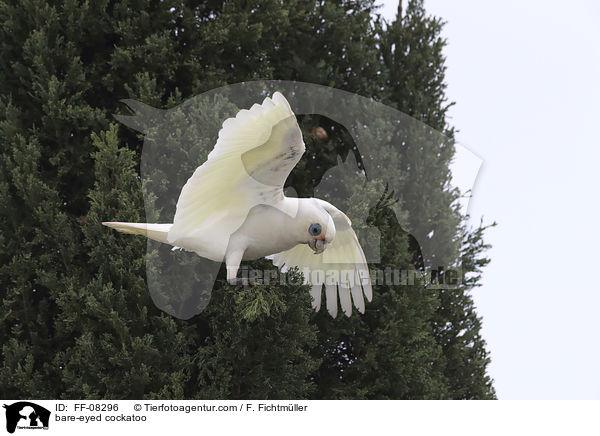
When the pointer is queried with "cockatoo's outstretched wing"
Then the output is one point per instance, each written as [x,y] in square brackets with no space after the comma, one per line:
[342,267]
[248,166]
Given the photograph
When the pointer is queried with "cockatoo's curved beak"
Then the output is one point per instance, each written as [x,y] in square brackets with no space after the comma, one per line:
[318,245]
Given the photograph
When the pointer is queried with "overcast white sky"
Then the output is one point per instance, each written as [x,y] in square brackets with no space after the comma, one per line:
[525,76]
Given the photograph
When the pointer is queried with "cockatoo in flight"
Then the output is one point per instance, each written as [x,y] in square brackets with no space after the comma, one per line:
[233,208]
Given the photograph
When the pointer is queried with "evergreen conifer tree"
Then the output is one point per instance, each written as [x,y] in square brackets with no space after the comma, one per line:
[76,319]
[412,53]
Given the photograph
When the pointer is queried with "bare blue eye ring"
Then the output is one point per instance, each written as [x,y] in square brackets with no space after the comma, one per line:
[315,229]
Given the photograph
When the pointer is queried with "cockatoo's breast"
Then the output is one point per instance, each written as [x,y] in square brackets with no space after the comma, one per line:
[268,229]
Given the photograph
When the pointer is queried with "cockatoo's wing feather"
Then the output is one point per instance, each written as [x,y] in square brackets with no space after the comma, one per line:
[254,154]
[342,267]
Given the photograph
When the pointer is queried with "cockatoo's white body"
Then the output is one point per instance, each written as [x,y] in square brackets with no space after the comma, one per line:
[233,209]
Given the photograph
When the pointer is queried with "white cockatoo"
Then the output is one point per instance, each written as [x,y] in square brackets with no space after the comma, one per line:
[233,208]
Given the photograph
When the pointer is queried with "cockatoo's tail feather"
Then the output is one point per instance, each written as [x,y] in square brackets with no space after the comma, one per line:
[156,232]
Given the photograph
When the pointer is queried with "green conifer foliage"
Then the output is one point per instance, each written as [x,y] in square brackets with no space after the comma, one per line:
[412,53]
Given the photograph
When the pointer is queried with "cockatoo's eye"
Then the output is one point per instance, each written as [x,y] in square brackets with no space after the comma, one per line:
[315,229]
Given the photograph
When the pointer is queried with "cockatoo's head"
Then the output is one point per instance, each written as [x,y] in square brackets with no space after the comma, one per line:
[318,227]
